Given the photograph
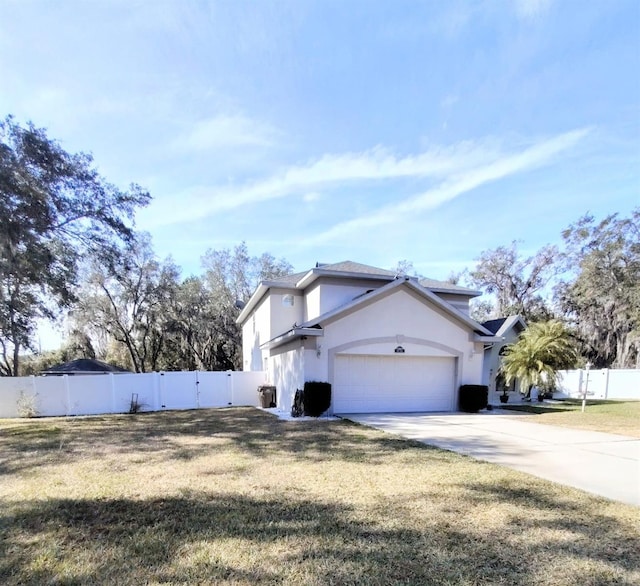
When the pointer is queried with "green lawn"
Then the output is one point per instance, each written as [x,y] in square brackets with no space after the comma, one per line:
[236,496]
[622,417]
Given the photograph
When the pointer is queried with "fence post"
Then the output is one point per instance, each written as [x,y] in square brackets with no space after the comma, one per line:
[606,383]
[230,386]
[113,392]
[158,388]
[65,378]
[35,390]
[197,390]
[580,373]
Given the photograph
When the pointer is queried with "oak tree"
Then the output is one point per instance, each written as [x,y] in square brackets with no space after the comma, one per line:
[54,208]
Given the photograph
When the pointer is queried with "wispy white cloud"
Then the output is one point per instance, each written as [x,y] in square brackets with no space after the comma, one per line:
[374,165]
[531,9]
[455,185]
[456,170]
[226,131]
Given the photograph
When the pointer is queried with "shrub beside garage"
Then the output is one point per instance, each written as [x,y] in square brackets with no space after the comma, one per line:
[473,398]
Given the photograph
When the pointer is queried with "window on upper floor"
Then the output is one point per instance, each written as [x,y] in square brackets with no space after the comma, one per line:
[288,300]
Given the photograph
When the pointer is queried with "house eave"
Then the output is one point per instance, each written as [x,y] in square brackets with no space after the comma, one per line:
[314,274]
[462,292]
[487,339]
[291,335]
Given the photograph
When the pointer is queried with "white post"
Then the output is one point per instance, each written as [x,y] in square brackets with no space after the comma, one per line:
[35,390]
[65,378]
[586,387]
[113,392]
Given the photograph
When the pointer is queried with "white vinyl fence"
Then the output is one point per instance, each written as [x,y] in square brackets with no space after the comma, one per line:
[113,393]
[601,384]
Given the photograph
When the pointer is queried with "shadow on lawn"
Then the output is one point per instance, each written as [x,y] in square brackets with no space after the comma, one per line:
[213,538]
[184,435]
[132,542]
[583,531]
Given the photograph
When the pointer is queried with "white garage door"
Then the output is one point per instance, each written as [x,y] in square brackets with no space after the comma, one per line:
[401,384]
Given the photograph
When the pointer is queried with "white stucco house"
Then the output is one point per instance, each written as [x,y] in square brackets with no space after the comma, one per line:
[507,330]
[385,342]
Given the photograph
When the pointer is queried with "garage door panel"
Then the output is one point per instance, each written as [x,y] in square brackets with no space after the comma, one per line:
[369,384]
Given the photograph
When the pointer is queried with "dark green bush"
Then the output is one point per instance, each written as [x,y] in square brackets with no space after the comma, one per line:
[472,398]
[317,398]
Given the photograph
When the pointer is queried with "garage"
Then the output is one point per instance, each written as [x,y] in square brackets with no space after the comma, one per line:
[385,384]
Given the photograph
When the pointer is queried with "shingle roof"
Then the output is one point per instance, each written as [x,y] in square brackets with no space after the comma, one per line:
[348,266]
[445,286]
[83,365]
[493,325]
[291,279]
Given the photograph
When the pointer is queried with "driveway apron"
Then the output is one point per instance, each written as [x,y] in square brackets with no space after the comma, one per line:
[600,463]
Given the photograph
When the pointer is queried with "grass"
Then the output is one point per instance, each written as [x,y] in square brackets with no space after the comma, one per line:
[621,417]
[236,496]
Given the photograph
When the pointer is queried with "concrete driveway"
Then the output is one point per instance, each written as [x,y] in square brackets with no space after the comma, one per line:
[604,464]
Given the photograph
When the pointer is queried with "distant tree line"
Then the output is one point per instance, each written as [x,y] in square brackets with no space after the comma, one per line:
[68,246]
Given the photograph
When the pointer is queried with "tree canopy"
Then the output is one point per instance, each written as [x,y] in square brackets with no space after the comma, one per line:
[54,208]
[601,296]
[153,320]
[517,282]
[591,283]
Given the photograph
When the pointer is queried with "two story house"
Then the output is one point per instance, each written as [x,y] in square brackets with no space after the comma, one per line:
[385,342]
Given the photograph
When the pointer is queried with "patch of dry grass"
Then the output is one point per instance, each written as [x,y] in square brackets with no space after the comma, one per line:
[236,496]
[621,417]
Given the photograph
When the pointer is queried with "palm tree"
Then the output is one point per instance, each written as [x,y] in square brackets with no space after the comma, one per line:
[543,348]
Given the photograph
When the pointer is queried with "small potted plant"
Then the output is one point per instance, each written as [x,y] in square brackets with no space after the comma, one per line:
[504,397]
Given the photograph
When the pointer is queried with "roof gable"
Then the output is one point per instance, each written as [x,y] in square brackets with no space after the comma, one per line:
[396,283]
[345,269]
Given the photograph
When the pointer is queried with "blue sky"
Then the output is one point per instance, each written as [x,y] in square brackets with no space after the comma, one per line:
[333,130]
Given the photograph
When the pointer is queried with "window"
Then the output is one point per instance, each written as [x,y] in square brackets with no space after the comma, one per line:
[287,300]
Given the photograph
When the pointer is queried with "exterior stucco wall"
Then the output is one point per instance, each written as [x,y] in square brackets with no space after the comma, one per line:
[255,331]
[460,302]
[269,319]
[282,316]
[326,295]
[401,318]
[312,302]
[286,372]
